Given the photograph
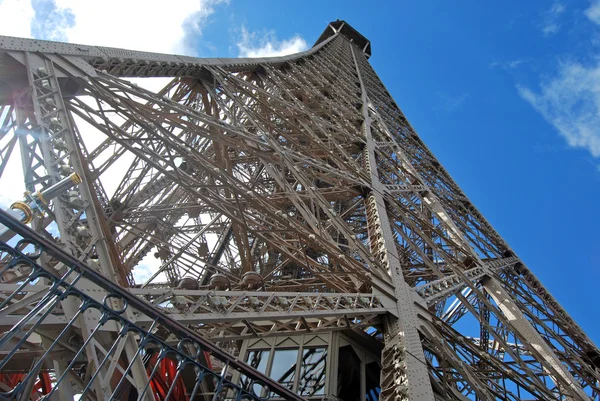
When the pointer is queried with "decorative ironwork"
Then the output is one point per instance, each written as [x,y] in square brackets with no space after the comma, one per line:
[30,343]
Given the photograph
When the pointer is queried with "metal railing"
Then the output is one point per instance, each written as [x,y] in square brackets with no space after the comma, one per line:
[70,339]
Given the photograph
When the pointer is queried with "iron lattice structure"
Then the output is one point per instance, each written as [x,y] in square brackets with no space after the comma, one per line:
[281,197]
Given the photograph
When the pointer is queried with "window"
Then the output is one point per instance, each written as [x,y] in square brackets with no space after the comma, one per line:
[312,372]
[283,368]
[305,376]
[258,360]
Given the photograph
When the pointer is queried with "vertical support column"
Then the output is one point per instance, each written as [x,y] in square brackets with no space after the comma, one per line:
[509,308]
[404,374]
[331,369]
[44,109]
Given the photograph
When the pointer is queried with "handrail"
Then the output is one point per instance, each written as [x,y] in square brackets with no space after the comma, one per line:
[61,287]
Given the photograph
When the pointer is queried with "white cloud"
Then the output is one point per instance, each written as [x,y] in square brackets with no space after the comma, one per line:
[514,63]
[156,26]
[557,8]
[450,103]
[593,12]
[571,103]
[267,45]
[147,25]
[550,29]
[507,65]
[147,267]
[51,21]
[550,19]
[15,18]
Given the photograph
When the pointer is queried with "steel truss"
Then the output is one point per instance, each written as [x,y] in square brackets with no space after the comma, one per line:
[278,195]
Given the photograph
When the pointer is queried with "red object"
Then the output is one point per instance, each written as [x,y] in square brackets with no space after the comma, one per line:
[164,378]
[42,385]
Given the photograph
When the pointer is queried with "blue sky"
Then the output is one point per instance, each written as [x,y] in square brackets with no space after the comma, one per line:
[506,95]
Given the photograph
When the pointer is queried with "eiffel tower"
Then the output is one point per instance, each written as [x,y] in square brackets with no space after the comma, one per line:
[267,228]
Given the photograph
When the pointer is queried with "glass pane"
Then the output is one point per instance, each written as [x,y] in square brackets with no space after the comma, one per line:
[284,366]
[258,360]
[312,372]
